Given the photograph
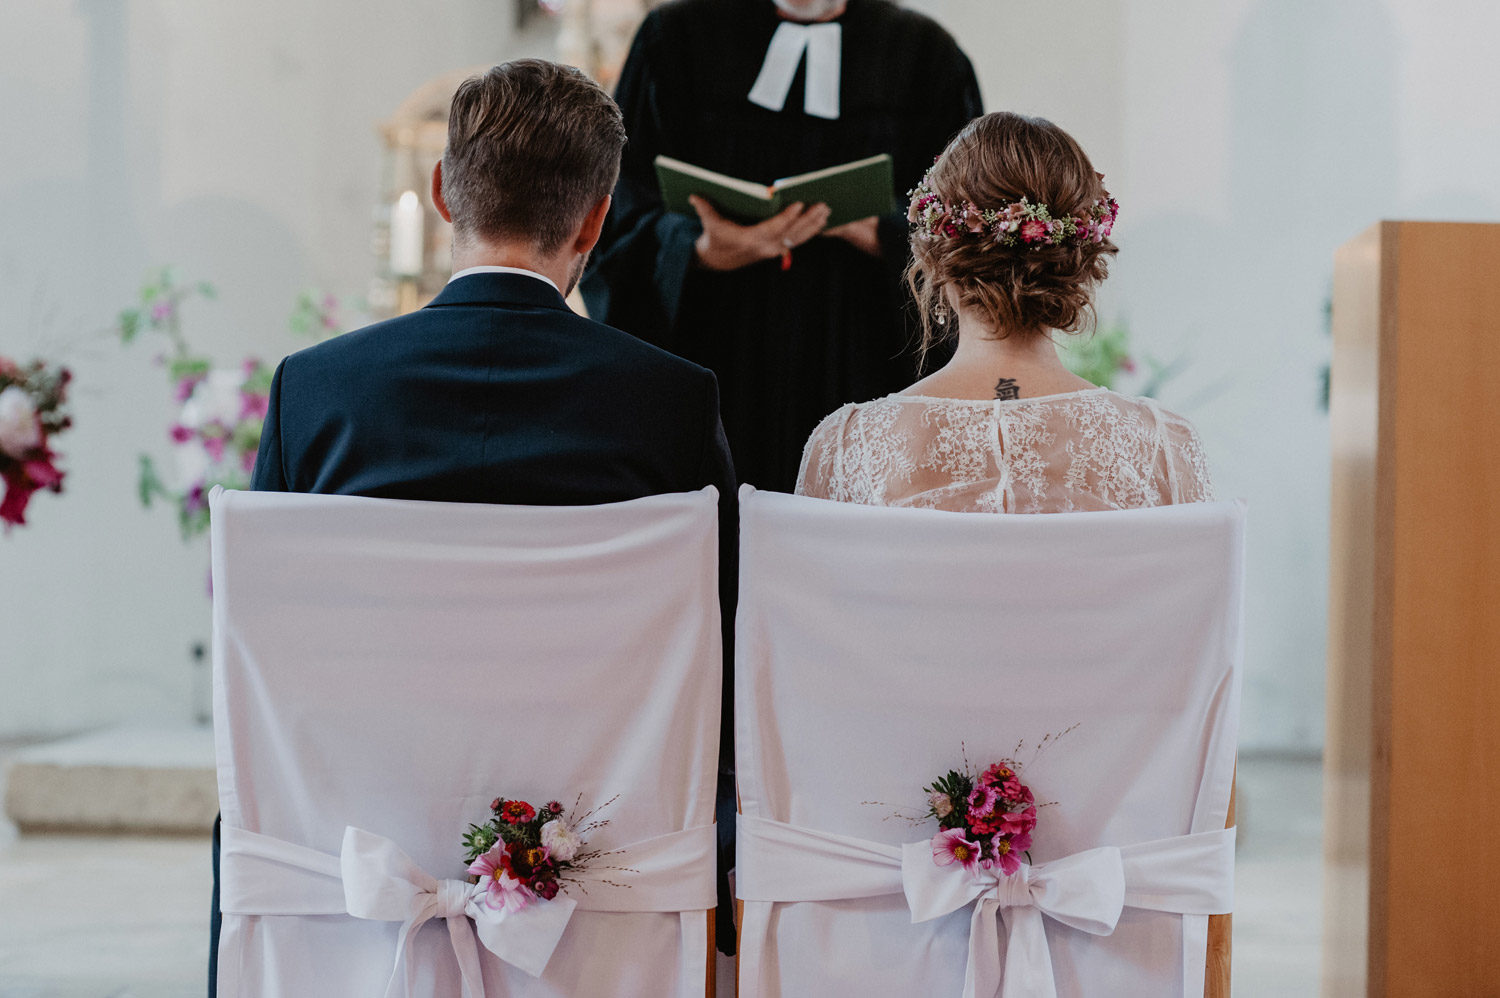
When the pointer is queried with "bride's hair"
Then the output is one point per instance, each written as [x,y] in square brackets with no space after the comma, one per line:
[1024,288]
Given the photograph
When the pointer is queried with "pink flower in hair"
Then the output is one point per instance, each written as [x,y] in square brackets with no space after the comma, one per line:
[1033,231]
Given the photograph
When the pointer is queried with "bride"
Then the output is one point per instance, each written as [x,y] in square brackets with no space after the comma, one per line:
[1010,237]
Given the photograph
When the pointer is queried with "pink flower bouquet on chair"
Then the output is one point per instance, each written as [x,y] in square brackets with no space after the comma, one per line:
[986,820]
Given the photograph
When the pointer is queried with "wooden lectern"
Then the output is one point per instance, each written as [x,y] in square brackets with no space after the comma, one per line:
[1411,901]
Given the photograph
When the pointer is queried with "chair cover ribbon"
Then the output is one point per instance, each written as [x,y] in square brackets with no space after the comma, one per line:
[1188,874]
[823,44]
[372,878]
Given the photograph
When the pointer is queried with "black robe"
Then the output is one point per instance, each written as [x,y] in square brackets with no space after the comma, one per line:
[788,346]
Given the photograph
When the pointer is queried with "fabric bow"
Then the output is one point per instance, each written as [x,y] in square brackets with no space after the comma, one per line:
[1085,890]
[823,44]
[382,883]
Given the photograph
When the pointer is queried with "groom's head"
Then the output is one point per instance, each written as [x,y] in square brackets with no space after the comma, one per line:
[533,150]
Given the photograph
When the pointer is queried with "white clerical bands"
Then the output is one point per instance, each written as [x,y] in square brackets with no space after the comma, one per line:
[777,862]
[372,878]
[823,44]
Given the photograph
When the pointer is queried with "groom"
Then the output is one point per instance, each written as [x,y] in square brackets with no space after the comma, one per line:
[497,392]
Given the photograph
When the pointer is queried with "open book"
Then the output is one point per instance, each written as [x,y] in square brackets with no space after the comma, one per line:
[852,190]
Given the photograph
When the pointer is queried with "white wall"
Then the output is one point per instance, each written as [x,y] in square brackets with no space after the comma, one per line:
[237,141]
[1245,139]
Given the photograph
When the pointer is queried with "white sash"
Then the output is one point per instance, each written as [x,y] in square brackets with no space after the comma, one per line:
[823,44]
[1187,874]
[372,878]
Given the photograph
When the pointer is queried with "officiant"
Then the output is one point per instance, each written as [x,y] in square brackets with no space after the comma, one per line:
[795,319]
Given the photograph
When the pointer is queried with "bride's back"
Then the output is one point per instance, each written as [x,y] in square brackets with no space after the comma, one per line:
[1079,451]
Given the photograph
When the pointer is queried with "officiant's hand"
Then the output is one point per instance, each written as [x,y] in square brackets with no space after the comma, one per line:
[726,245]
[863,235]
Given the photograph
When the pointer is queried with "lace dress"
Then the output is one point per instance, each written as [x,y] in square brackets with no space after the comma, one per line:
[1078,451]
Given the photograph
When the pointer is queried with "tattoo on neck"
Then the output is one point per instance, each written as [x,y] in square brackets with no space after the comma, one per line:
[1006,388]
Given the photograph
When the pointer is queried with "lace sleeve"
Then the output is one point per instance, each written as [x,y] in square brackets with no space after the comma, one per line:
[1186,464]
[820,465]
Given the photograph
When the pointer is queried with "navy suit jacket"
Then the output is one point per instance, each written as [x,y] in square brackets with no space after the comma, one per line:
[497,392]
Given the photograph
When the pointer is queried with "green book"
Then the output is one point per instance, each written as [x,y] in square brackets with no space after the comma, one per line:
[852,190]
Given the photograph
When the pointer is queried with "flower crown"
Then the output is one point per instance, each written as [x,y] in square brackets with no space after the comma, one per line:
[1019,223]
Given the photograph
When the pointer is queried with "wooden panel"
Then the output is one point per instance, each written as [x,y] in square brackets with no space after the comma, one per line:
[1414,616]
[1442,862]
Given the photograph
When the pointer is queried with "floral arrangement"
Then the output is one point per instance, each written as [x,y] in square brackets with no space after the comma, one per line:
[216,434]
[986,821]
[32,410]
[523,853]
[1020,223]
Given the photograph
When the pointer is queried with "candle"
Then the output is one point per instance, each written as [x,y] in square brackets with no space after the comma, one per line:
[406,235]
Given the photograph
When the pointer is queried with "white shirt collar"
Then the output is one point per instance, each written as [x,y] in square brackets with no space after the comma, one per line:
[505,270]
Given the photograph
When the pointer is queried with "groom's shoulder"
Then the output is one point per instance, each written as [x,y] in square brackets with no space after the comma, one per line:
[590,348]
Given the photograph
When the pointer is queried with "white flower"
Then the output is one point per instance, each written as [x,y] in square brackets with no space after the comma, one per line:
[942,805]
[20,430]
[561,841]
[215,399]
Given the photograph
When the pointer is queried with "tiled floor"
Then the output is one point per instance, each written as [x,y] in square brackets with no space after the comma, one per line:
[95,917]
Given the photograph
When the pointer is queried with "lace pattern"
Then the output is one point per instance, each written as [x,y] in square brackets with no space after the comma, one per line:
[1080,451]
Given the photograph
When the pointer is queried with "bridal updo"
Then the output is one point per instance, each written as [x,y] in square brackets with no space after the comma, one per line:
[970,232]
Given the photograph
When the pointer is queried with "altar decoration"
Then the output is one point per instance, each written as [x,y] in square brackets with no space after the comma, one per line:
[522,853]
[33,409]
[221,410]
[1106,358]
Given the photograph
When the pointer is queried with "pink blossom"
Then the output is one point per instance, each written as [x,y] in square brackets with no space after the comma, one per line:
[215,447]
[503,892]
[254,405]
[949,847]
[181,434]
[247,461]
[1033,231]
[162,310]
[982,800]
[1006,857]
[185,388]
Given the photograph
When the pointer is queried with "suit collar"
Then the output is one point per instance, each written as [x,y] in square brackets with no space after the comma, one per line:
[499,289]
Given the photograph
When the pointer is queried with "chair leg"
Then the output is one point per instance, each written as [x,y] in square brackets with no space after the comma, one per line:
[1220,935]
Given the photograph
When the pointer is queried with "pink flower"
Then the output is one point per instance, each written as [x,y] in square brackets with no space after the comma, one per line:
[215,447]
[502,891]
[181,434]
[1006,857]
[162,310]
[982,801]
[951,847]
[185,388]
[1033,231]
[253,405]
[247,461]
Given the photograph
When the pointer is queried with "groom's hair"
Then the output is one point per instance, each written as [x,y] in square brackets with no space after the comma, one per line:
[532,146]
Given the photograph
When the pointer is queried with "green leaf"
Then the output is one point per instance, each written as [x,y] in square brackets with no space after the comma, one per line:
[149,485]
[188,367]
[130,324]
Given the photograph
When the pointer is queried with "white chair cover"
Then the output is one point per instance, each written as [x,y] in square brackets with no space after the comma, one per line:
[391,667]
[875,647]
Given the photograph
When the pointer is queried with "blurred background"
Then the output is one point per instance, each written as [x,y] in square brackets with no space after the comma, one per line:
[261,149]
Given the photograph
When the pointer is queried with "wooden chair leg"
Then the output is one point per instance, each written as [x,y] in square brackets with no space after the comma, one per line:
[711,986]
[1220,935]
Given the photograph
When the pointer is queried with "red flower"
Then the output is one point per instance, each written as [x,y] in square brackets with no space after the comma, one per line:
[546,889]
[554,807]
[517,812]
[1033,231]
